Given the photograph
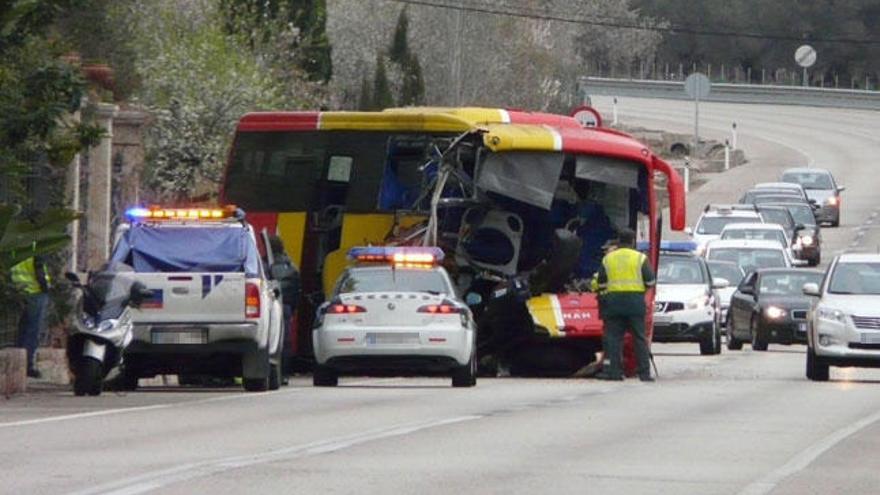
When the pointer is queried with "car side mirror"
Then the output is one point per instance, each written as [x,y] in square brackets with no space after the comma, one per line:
[747,290]
[720,283]
[689,231]
[799,226]
[473,299]
[73,279]
[812,289]
[840,189]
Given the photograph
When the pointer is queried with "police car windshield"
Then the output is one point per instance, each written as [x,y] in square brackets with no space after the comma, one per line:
[392,280]
[713,225]
[679,270]
[728,271]
[750,258]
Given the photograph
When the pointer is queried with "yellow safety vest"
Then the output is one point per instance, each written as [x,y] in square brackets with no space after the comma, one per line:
[24,277]
[623,267]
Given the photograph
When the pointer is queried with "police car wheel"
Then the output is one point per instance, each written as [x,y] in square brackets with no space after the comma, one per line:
[324,376]
[465,376]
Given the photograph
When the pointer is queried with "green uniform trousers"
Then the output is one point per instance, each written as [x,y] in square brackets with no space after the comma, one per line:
[616,327]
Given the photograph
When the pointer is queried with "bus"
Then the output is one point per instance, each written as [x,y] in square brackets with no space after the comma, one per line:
[505,193]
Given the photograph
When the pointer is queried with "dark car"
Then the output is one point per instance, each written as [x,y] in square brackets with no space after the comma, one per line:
[808,239]
[820,187]
[751,195]
[769,306]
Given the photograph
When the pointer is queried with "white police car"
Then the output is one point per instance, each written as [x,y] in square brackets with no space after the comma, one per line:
[395,310]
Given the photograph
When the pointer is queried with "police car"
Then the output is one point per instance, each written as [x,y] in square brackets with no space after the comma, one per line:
[395,310]
[686,306]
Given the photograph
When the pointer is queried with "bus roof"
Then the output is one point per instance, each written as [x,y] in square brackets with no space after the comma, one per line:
[507,130]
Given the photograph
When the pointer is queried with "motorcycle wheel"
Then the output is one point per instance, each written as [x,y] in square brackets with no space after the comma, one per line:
[89,377]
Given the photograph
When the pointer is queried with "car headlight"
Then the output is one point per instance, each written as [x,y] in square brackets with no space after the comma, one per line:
[831,314]
[774,312]
[832,201]
[807,240]
[698,302]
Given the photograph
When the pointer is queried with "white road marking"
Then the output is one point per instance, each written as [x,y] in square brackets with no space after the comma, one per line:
[123,410]
[105,412]
[158,479]
[769,481]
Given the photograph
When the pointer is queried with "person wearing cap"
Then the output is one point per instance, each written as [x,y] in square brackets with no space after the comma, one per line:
[623,278]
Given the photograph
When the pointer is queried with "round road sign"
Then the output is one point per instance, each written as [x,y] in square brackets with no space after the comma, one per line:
[697,85]
[805,56]
[587,116]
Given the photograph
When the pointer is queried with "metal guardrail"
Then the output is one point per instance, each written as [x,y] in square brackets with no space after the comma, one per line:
[735,93]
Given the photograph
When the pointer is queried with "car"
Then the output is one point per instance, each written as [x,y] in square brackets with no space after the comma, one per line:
[714,218]
[768,197]
[750,255]
[808,238]
[779,215]
[686,306]
[783,186]
[820,187]
[215,310]
[769,307]
[733,274]
[844,325]
[395,310]
[757,231]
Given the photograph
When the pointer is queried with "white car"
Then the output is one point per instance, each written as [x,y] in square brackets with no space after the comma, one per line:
[845,322]
[783,186]
[686,306]
[751,255]
[395,310]
[733,274]
[714,219]
[758,231]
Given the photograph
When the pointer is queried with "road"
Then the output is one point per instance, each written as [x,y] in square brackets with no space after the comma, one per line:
[739,423]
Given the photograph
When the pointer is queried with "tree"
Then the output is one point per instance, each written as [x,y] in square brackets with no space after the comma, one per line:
[399,51]
[365,100]
[412,91]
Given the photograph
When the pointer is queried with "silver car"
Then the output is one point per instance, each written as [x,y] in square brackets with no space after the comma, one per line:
[845,321]
[392,316]
[820,187]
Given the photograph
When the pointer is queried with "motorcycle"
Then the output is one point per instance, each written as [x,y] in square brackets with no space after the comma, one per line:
[102,325]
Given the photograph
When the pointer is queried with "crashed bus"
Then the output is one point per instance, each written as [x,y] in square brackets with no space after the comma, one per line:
[521,202]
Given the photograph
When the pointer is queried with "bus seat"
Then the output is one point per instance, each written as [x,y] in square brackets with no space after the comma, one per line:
[490,240]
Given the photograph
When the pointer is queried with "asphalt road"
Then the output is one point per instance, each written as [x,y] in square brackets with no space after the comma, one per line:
[742,422]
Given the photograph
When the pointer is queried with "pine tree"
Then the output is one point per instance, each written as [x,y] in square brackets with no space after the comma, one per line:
[399,45]
[382,97]
[311,17]
[412,92]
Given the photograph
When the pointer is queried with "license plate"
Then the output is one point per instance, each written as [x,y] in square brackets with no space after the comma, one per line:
[870,338]
[183,336]
[662,319]
[802,327]
[392,338]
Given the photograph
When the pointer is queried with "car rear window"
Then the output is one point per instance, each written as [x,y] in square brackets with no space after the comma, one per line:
[388,280]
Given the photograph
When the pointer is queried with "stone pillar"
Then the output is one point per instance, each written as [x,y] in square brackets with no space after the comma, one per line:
[100,182]
[73,194]
[128,146]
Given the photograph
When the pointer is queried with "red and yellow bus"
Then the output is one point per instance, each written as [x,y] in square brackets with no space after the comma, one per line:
[492,187]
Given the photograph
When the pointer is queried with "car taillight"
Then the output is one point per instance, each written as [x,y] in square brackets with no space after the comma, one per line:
[251,300]
[441,309]
[342,309]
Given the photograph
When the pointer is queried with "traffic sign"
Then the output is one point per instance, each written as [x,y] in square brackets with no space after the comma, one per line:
[805,56]
[587,116]
[697,86]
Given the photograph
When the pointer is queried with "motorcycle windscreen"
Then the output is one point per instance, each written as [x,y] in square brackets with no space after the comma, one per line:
[525,176]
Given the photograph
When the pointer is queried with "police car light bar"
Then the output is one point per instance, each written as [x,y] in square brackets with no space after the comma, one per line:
[139,213]
[399,255]
[670,246]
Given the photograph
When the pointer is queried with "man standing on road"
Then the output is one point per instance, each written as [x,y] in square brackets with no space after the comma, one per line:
[31,277]
[624,276]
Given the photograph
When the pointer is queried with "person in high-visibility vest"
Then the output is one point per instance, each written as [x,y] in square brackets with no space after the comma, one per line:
[624,276]
[31,277]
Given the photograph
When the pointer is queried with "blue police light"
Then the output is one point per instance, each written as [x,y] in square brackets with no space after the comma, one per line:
[670,246]
[397,254]
[137,213]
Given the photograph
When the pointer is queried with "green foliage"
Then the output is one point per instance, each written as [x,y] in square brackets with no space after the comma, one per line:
[412,92]
[365,100]
[261,20]
[807,21]
[399,52]
[20,238]
[382,97]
